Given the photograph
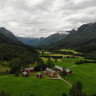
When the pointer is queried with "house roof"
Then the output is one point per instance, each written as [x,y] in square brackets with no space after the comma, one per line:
[25,73]
[30,68]
[39,73]
[61,68]
[50,70]
[67,70]
[58,67]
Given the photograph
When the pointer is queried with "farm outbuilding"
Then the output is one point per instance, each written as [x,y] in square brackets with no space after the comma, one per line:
[45,72]
[25,74]
[68,71]
[39,75]
[30,69]
[61,69]
[51,72]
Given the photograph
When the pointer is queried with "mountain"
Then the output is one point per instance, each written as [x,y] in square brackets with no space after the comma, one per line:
[30,41]
[11,48]
[85,33]
[42,42]
[52,39]
[8,37]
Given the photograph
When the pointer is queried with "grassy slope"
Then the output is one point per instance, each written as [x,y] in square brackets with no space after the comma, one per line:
[86,73]
[40,87]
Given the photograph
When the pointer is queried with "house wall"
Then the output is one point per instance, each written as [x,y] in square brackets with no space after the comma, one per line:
[54,74]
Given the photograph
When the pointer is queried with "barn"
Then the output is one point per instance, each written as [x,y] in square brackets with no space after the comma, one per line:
[30,69]
[25,74]
[60,69]
[45,72]
[51,72]
[68,71]
[39,75]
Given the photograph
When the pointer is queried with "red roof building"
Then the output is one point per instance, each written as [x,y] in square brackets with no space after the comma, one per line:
[39,75]
[60,69]
[51,72]
[30,69]
[25,74]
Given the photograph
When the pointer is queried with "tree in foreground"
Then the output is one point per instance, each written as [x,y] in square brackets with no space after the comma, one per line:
[64,94]
[50,64]
[76,90]
[2,93]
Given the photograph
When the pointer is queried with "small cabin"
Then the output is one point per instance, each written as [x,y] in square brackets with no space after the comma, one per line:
[60,70]
[30,69]
[25,74]
[39,75]
[51,72]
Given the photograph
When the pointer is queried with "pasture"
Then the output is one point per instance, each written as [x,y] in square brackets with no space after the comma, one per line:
[22,86]
[86,73]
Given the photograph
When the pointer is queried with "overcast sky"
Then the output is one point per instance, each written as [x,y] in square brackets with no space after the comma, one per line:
[39,18]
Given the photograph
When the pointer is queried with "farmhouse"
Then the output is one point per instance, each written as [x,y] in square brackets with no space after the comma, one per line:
[51,72]
[39,75]
[60,69]
[30,69]
[25,74]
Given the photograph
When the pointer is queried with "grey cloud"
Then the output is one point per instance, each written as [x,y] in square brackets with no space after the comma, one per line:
[44,17]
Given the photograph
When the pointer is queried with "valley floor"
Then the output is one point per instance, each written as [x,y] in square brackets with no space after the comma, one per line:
[86,73]
[32,85]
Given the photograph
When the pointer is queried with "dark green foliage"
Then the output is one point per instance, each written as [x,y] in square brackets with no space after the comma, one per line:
[4,93]
[64,72]
[31,95]
[64,94]
[85,61]
[50,64]
[76,90]
[15,69]
[56,60]
[93,95]
[40,65]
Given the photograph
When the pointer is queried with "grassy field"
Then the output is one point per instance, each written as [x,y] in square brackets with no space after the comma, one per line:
[86,73]
[17,86]
[32,85]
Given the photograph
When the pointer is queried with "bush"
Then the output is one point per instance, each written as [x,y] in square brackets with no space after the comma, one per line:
[15,69]
[4,93]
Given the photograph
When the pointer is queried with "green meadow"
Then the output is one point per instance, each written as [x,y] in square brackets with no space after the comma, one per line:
[18,86]
[22,86]
[86,73]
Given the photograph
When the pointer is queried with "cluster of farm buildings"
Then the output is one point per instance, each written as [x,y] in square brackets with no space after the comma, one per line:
[47,71]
